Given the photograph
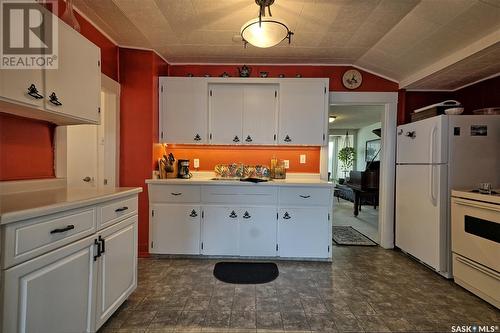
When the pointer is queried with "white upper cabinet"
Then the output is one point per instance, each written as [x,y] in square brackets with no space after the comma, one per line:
[22,86]
[259,113]
[226,113]
[303,111]
[74,87]
[183,105]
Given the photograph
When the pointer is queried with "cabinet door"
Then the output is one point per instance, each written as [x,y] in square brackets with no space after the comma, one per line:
[259,113]
[77,81]
[226,113]
[175,229]
[117,270]
[303,111]
[303,232]
[51,293]
[16,84]
[257,231]
[183,110]
[220,231]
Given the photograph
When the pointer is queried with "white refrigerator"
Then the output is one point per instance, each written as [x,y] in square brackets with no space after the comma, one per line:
[436,155]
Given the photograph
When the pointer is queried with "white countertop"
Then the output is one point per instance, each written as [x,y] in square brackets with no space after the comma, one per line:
[467,194]
[205,178]
[23,205]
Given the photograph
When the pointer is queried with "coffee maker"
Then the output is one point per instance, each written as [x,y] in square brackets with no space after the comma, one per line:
[183,169]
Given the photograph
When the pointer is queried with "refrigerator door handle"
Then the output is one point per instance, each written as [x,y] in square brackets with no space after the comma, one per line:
[431,185]
[431,143]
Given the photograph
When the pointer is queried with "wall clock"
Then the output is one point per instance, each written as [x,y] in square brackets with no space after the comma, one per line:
[352,79]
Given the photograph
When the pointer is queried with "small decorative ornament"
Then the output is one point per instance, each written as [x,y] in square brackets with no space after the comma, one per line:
[264,74]
[189,75]
[207,75]
[352,79]
[298,75]
[282,75]
[244,71]
[225,74]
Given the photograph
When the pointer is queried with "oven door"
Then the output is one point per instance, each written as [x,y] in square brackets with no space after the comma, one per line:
[476,231]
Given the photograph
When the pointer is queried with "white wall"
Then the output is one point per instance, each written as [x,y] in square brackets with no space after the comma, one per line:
[364,134]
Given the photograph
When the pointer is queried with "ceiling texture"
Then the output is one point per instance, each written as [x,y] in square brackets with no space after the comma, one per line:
[422,44]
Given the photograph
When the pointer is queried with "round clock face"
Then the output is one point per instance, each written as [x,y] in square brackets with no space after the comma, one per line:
[352,79]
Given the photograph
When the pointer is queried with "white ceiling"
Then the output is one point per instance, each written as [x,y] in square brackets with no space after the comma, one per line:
[354,116]
[406,40]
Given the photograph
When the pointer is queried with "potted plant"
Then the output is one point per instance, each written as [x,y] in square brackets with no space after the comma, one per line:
[346,157]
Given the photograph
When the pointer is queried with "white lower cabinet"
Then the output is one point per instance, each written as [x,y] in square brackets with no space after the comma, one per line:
[257,232]
[302,232]
[175,229]
[220,231]
[51,293]
[117,267]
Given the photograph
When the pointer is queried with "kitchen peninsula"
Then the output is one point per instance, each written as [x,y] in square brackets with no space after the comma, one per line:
[280,219]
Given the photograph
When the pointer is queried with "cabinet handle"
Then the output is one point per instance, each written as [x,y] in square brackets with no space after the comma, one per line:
[304,196]
[248,139]
[287,216]
[33,92]
[197,137]
[411,134]
[287,139]
[96,243]
[236,139]
[61,230]
[233,215]
[193,213]
[102,246]
[87,179]
[246,215]
[121,209]
[54,99]
[176,193]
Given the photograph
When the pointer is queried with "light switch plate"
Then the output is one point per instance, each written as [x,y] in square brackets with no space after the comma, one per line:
[302,159]
[286,163]
[196,163]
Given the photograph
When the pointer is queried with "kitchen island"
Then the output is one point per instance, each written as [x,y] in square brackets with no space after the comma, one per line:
[279,219]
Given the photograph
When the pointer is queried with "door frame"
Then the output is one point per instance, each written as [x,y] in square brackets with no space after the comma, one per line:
[108,85]
[388,159]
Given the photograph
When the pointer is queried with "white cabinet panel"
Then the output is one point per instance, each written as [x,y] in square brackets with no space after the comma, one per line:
[302,232]
[175,229]
[117,271]
[52,293]
[16,84]
[259,113]
[226,113]
[77,81]
[220,231]
[183,110]
[303,111]
[257,231]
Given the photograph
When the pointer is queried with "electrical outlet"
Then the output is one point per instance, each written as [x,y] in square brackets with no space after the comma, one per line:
[302,159]
[286,163]
[196,163]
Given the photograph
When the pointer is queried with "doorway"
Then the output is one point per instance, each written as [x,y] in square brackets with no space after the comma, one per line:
[88,155]
[354,164]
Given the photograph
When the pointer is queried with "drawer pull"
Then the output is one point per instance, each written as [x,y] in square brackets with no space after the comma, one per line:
[193,213]
[246,215]
[61,230]
[176,193]
[233,215]
[121,209]
[305,196]
[287,216]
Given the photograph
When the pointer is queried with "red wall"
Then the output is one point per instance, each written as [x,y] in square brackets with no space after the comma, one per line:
[32,140]
[139,71]
[370,82]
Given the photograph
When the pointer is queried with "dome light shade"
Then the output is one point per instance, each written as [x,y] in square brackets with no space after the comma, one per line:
[265,31]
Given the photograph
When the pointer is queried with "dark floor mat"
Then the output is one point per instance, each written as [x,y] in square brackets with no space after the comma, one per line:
[347,235]
[246,272]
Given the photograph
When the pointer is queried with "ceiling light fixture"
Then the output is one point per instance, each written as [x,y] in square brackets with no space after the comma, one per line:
[265,31]
[331,119]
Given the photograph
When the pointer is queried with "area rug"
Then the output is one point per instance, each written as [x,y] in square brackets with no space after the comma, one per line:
[246,272]
[347,235]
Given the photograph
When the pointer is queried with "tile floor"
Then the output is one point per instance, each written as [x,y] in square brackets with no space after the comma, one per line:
[366,222]
[365,289]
